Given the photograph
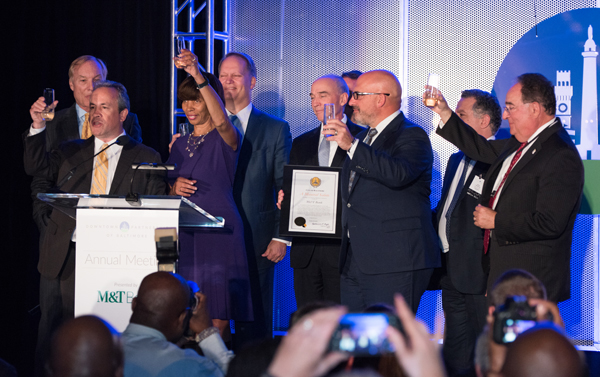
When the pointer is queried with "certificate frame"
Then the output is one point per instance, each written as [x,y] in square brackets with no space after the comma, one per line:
[291,171]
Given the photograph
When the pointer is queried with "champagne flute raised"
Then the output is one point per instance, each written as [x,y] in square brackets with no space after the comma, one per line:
[48,113]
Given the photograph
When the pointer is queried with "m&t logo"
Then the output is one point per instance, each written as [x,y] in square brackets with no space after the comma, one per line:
[116,297]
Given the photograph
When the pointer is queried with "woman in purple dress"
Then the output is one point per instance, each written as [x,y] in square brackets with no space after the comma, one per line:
[206,160]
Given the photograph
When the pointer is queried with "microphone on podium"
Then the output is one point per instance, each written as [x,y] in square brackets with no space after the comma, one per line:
[121,140]
[133,197]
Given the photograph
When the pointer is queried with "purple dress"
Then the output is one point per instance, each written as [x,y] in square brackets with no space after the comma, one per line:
[214,258]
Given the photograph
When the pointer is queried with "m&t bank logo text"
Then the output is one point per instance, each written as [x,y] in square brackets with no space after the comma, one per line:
[116,297]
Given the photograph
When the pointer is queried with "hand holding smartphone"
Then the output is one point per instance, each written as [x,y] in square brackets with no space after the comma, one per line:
[364,334]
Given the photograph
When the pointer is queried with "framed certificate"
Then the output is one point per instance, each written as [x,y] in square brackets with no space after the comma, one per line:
[311,205]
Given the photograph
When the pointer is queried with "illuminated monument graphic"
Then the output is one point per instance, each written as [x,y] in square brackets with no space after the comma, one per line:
[588,146]
[563,92]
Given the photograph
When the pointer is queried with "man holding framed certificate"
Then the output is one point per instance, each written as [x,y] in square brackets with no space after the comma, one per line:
[315,259]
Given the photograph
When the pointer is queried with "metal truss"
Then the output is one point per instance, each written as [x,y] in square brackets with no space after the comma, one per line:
[199,24]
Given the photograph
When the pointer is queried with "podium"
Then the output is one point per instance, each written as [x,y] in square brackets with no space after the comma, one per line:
[115,246]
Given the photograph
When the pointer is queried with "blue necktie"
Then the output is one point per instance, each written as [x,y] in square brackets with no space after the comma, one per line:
[324,148]
[236,122]
[459,188]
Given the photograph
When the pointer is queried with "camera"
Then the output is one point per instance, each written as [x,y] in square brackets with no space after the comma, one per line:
[512,318]
[167,253]
[363,334]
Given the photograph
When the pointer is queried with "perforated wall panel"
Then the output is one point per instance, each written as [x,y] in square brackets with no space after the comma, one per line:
[295,42]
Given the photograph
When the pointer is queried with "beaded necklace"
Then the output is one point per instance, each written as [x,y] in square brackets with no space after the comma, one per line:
[192,145]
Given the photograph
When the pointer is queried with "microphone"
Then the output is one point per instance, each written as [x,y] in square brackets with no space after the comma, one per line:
[134,198]
[121,140]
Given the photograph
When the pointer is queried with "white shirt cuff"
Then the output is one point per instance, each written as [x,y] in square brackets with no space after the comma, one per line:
[215,350]
[352,149]
[287,243]
[35,131]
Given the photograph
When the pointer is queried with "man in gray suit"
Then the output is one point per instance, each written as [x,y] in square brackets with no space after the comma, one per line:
[265,150]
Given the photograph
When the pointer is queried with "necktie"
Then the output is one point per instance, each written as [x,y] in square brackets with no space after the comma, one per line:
[100,174]
[372,132]
[324,148]
[236,122]
[459,188]
[86,130]
[486,234]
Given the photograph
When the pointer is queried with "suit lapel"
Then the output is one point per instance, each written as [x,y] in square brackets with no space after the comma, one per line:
[312,147]
[361,136]
[71,126]
[535,148]
[250,137]
[511,146]
[453,164]
[390,129]
[123,167]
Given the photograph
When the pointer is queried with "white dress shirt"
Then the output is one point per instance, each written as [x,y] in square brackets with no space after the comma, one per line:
[451,191]
[243,115]
[380,127]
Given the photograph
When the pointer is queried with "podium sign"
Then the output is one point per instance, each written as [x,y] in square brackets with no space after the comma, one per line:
[115,246]
[115,250]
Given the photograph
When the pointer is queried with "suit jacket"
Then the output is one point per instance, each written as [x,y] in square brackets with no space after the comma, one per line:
[305,151]
[54,165]
[65,127]
[388,212]
[538,204]
[258,177]
[464,264]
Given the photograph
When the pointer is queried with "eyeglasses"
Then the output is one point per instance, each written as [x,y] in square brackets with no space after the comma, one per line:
[512,108]
[355,95]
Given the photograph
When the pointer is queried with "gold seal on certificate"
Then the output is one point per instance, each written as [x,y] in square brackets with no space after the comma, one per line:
[310,206]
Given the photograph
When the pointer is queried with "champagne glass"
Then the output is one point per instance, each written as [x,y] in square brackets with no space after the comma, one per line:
[184,128]
[431,92]
[328,113]
[180,43]
[48,113]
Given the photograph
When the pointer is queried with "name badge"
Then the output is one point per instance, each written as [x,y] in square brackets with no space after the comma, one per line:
[476,186]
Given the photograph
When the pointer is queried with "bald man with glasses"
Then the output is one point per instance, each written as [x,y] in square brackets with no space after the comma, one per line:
[389,244]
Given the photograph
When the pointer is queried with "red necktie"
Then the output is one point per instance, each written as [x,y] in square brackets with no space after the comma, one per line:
[486,234]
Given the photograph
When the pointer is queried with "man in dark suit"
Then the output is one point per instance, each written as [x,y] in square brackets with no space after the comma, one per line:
[464,280]
[68,124]
[316,260]
[389,244]
[532,190]
[265,150]
[108,173]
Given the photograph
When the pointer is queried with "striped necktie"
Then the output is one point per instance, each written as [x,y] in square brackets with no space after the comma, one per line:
[237,123]
[86,130]
[100,173]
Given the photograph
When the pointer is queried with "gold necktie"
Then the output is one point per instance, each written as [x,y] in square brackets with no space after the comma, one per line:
[100,173]
[86,130]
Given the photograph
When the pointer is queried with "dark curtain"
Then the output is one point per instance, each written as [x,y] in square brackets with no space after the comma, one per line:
[40,39]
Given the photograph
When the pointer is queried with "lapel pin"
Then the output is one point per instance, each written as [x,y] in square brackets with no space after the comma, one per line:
[533,152]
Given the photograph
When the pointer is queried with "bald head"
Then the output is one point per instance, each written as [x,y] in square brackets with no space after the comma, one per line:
[161,303]
[542,352]
[371,109]
[85,346]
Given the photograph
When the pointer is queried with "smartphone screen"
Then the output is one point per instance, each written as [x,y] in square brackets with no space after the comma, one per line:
[362,334]
[514,327]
